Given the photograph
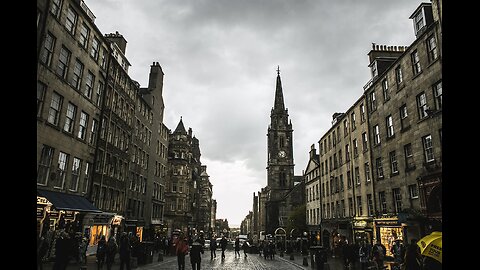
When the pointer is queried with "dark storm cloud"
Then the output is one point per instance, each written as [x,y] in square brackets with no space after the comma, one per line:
[220,60]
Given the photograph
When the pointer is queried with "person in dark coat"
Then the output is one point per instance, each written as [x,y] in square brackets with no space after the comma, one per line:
[181,250]
[237,247]
[42,248]
[379,252]
[223,245]
[213,247]
[101,252]
[112,249]
[124,251]
[195,254]
[413,258]
[245,247]
[62,252]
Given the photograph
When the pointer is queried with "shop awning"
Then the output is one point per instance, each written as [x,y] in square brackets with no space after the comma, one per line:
[70,202]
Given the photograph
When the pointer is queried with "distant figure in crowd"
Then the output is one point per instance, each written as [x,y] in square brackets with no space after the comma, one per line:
[42,248]
[181,251]
[237,247]
[125,250]
[61,251]
[363,254]
[413,258]
[213,247]
[223,245]
[378,253]
[112,249]
[82,250]
[101,252]
[195,254]
[245,247]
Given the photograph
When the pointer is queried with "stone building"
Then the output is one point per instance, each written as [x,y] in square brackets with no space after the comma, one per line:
[404,106]
[73,57]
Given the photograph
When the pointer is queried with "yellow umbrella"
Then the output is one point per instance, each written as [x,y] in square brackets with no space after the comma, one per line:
[431,246]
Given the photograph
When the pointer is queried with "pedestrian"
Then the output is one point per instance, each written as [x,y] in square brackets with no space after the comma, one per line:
[195,254]
[213,247]
[42,248]
[237,247]
[101,252]
[112,249]
[62,252]
[398,251]
[245,247]
[124,251]
[378,253]
[413,258]
[431,264]
[82,250]
[181,250]
[363,254]
[223,245]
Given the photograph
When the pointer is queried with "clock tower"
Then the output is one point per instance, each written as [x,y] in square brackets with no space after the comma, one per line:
[280,166]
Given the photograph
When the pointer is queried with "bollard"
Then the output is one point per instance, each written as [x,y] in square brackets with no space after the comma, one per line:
[160,257]
[291,257]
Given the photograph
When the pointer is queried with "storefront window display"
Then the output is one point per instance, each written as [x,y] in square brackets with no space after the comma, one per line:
[388,235]
[96,232]
[140,233]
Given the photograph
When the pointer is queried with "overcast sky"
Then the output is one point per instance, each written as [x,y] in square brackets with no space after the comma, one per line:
[220,60]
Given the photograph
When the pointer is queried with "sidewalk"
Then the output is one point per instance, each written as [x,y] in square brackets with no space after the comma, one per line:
[334,263]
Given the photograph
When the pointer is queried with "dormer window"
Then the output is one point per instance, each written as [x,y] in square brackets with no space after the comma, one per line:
[422,17]
[374,69]
[418,21]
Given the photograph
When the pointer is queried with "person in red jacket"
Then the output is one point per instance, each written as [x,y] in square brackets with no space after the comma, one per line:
[181,250]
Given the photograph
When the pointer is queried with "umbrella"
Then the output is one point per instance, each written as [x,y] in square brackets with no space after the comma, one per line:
[431,246]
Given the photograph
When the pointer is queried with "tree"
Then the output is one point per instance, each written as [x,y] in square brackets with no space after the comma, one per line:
[297,220]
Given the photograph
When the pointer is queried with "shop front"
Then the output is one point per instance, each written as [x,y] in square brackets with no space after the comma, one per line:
[363,230]
[389,229]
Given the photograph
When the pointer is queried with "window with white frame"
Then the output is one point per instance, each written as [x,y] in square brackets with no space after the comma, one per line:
[422,105]
[71,22]
[379,166]
[398,75]
[345,127]
[393,162]
[383,202]
[48,47]
[61,170]
[84,35]
[70,118]
[364,141]
[376,135]
[355,147]
[89,84]
[432,48]
[350,207]
[415,63]
[373,101]
[63,62]
[44,165]
[357,176]
[370,204]
[403,116]
[77,74]
[418,21]
[95,48]
[359,206]
[347,153]
[352,119]
[386,92]
[98,95]
[56,8]
[428,148]
[86,176]
[82,129]
[413,191]
[397,198]
[408,152]
[41,89]
[367,172]
[437,93]
[362,113]
[55,107]
[76,166]
[390,130]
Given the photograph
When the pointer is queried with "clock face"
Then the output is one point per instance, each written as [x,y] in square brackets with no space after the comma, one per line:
[282,154]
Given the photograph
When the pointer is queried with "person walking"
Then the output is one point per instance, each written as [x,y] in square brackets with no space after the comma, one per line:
[378,253]
[245,247]
[413,258]
[101,252]
[181,250]
[112,249]
[82,250]
[125,250]
[213,248]
[237,247]
[223,245]
[363,254]
[398,251]
[42,248]
[196,254]
[62,252]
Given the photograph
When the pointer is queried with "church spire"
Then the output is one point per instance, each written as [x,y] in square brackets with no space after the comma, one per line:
[279,104]
[180,127]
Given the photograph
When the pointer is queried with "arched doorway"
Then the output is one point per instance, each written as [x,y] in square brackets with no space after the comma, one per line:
[280,238]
